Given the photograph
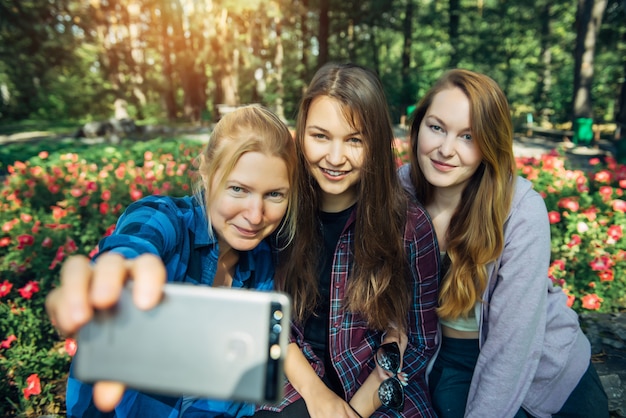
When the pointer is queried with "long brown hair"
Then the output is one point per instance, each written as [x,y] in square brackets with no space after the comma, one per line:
[475,235]
[378,284]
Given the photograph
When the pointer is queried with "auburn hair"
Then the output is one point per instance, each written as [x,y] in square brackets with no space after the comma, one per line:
[475,236]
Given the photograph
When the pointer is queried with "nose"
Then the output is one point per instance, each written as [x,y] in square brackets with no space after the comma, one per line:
[336,153]
[446,148]
[254,210]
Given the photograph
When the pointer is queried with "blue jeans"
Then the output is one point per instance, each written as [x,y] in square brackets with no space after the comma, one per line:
[450,379]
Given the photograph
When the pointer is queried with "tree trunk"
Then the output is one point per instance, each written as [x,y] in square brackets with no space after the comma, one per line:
[620,114]
[324,31]
[278,67]
[306,43]
[588,21]
[544,82]
[407,97]
[453,31]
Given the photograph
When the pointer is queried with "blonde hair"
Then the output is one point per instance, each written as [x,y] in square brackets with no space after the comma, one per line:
[475,235]
[249,129]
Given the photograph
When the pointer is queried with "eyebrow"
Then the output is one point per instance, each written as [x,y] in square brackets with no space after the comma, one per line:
[319,128]
[236,182]
[440,122]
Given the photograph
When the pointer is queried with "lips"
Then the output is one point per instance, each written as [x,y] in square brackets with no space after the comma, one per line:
[442,166]
[247,232]
[333,173]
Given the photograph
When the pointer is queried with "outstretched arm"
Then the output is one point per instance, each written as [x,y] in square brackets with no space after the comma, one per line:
[85,287]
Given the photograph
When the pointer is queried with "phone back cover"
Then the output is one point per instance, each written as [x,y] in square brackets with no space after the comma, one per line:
[208,342]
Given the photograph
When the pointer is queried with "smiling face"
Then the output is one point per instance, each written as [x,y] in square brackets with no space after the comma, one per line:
[446,152]
[334,153]
[250,203]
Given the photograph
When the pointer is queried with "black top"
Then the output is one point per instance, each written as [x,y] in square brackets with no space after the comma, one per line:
[317,325]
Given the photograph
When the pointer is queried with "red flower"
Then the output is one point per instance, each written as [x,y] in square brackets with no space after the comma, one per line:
[570,298]
[25,240]
[591,213]
[592,302]
[606,275]
[554,217]
[110,230]
[70,346]
[93,252]
[5,241]
[605,192]
[619,205]
[135,194]
[106,195]
[569,203]
[7,343]
[560,264]
[8,225]
[70,246]
[576,240]
[615,232]
[5,288]
[29,290]
[47,242]
[58,212]
[103,208]
[33,386]
[43,155]
[26,217]
[603,176]
[601,263]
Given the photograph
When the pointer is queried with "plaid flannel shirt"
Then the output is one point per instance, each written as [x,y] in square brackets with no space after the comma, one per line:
[352,345]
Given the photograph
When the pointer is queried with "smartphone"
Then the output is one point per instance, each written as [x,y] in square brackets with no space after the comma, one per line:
[216,343]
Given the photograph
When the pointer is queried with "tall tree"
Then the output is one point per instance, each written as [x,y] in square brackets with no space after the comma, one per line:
[408,96]
[588,20]
[323,32]
[454,14]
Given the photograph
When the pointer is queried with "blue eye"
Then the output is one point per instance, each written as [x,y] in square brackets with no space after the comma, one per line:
[276,196]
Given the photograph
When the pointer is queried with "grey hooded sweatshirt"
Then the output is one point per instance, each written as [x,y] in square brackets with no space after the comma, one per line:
[532,350]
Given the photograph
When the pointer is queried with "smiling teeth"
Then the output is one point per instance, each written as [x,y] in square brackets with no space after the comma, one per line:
[333,173]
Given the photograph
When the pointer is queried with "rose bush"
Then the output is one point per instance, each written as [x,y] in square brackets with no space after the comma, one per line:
[57,204]
[587,221]
[54,205]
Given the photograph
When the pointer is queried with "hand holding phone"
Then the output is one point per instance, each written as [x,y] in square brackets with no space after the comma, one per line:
[218,343]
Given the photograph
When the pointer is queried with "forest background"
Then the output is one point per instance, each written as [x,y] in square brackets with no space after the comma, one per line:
[179,60]
[64,63]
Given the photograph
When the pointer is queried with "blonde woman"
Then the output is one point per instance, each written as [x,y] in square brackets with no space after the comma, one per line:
[246,192]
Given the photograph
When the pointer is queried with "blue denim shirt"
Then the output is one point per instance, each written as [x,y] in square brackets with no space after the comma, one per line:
[176,230]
